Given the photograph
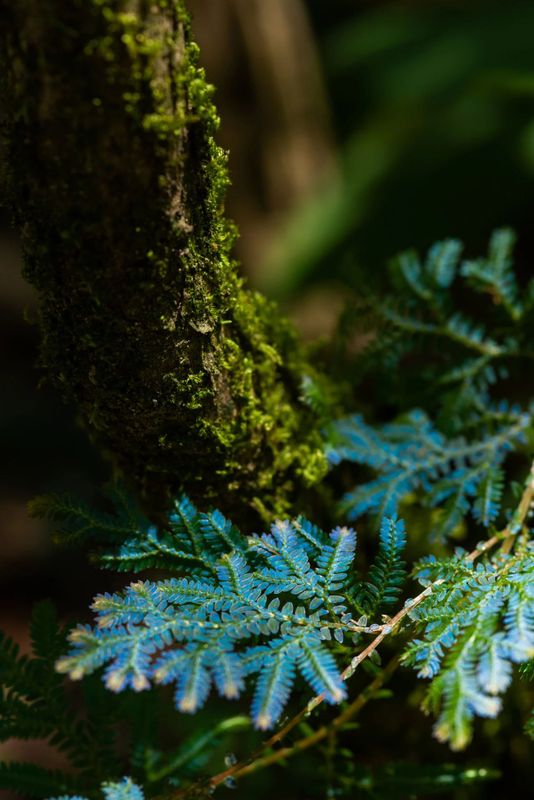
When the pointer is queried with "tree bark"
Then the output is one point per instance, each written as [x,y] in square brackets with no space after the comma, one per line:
[182,376]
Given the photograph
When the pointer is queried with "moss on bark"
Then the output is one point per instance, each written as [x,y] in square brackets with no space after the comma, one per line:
[182,376]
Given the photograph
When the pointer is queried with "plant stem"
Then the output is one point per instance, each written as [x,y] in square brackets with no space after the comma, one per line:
[321,733]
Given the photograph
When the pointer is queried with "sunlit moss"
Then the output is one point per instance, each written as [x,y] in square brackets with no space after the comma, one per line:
[181,375]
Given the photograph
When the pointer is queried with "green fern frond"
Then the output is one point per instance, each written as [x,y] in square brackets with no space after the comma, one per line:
[387,574]
[30,780]
[77,523]
[448,332]
[35,705]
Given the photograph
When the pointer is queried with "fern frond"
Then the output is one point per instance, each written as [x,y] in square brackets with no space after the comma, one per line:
[476,623]
[155,549]
[122,790]
[76,522]
[495,275]
[34,704]
[31,780]
[47,637]
[335,560]
[275,681]
[446,334]
[437,273]
[319,668]
[263,608]
[413,456]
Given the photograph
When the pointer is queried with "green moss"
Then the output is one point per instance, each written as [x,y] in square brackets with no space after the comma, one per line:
[183,377]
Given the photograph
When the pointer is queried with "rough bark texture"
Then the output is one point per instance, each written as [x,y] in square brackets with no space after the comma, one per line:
[184,378]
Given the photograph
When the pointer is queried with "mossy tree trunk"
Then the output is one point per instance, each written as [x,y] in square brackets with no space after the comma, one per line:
[181,375]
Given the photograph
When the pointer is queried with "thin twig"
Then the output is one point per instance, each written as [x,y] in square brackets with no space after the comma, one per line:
[321,733]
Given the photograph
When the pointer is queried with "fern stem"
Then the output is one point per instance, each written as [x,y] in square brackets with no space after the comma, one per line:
[257,761]
[321,733]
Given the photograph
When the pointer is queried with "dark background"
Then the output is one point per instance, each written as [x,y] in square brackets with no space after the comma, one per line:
[355,129]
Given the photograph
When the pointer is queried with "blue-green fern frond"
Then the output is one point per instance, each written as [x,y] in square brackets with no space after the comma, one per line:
[411,455]
[476,624]
[266,608]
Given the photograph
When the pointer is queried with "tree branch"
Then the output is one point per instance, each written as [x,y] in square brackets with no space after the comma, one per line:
[183,377]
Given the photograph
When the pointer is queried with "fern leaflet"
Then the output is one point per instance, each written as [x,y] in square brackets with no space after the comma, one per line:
[387,574]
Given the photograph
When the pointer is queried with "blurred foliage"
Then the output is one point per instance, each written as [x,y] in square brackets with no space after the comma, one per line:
[433,104]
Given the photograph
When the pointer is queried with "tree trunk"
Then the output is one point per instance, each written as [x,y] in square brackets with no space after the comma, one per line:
[182,376]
